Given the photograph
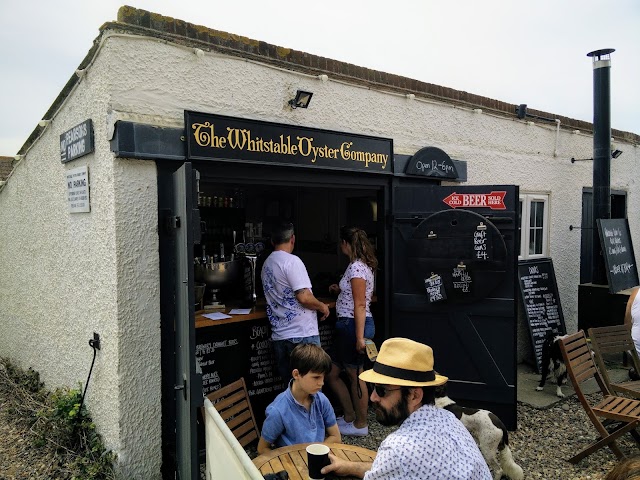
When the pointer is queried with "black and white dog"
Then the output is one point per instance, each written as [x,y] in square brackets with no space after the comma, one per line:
[489,433]
[552,362]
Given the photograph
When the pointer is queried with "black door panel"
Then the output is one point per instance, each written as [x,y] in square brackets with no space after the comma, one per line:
[473,330]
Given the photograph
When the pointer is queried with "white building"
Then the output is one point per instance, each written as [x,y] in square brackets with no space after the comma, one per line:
[66,275]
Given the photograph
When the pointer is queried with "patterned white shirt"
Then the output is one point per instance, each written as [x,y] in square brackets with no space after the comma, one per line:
[282,275]
[431,444]
[344,303]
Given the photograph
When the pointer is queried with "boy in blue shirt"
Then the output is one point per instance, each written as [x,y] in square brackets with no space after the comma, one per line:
[302,413]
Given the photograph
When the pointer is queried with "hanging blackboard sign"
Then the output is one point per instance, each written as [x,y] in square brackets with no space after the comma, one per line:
[541,302]
[435,288]
[482,243]
[622,271]
[462,281]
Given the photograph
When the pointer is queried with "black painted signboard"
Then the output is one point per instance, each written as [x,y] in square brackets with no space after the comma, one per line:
[233,350]
[435,288]
[541,302]
[431,162]
[229,351]
[615,238]
[228,138]
[77,142]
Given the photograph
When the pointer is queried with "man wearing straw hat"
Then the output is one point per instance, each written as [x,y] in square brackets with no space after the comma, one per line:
[430,443]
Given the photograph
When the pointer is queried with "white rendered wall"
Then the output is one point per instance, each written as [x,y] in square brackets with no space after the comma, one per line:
[67,276]
[170,79]
[64,276]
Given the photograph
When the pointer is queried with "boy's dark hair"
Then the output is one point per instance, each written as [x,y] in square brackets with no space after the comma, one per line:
[309,357]
[282,233]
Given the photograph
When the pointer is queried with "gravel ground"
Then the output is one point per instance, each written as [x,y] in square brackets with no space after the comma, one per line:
[544,439]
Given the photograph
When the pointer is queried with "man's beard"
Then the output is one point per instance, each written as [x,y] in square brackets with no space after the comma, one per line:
[394,416]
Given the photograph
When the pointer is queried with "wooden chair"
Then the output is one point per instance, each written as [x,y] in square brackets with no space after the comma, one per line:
[612,340]
[232,402]
[624,411]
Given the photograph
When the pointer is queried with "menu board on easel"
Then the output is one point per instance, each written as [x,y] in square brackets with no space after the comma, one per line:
[622,271]
[541,302]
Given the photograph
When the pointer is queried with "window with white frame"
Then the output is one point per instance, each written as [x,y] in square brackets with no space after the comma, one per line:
[534,225]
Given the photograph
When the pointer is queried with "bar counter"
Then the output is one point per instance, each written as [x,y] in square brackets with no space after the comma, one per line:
[257,312]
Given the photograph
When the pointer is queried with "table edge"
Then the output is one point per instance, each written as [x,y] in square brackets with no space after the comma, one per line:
[260,460]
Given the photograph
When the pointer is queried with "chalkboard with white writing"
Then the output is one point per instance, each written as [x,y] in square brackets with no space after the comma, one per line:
[622,271]
[541,302]
[243,349]
[435,288]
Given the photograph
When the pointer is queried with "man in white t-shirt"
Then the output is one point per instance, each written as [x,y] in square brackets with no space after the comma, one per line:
[291,305]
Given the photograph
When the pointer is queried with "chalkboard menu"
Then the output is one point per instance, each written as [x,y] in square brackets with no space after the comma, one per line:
[229,351]
[233,350]
[617,248]
[541,302]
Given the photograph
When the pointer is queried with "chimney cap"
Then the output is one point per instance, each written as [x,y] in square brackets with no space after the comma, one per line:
[600,53]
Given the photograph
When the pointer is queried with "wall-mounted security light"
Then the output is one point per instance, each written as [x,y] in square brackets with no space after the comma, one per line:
[198,52]
[614,154]
[301,100]
[18,157]
[44,122]
[81,72]
[324,78]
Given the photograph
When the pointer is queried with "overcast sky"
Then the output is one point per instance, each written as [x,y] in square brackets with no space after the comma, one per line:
[531,52]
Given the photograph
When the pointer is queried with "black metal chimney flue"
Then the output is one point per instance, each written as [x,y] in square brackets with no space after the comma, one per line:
[601,154]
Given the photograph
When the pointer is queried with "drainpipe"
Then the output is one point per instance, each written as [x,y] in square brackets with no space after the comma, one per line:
[555,150]
[601,155]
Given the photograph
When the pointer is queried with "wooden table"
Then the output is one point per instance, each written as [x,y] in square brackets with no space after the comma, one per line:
[293,459]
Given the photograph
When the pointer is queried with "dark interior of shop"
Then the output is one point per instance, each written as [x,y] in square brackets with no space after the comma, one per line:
[236,222]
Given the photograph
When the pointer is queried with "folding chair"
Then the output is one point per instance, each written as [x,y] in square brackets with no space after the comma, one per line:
[232,402]
[226,458]
[611,340]
[581,367]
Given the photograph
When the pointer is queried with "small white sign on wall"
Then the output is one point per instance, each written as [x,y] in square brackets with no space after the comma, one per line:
[78,190]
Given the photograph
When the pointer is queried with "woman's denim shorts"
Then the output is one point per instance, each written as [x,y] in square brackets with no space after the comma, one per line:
[344,342]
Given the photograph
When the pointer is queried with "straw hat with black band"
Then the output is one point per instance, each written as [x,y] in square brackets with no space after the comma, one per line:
[405,363]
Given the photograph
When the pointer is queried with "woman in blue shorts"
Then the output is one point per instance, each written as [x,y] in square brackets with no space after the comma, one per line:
[353,325]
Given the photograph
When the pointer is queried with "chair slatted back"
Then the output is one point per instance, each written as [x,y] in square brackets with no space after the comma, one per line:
[232,402]
[578,359]
[615,340]
[581,367]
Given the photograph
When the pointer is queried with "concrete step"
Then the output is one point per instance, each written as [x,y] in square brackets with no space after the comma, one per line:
[528,380]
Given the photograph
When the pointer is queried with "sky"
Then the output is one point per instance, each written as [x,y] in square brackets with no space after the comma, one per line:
[531,52]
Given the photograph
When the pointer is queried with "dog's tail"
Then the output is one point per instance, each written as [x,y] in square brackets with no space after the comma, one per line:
[509,468]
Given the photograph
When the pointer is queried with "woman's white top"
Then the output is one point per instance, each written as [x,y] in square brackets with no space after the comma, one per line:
[344,303]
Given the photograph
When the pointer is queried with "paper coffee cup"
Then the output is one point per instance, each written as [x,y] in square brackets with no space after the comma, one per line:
[317,458]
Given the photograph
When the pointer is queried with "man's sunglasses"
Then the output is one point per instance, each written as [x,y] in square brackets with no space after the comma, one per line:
[381,390]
